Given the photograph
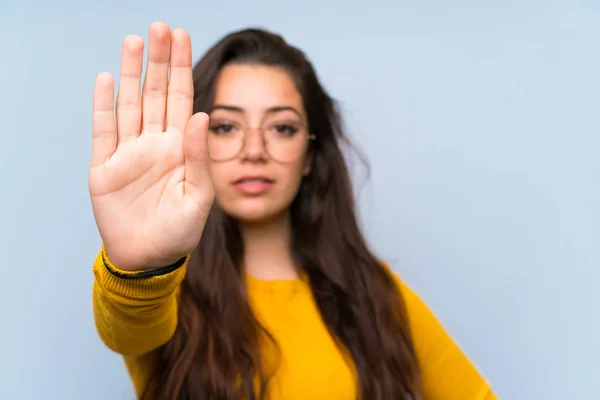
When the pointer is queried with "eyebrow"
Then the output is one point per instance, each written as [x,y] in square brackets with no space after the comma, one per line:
[270,110]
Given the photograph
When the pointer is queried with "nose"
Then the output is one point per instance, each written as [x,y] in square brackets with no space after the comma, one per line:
[254,146]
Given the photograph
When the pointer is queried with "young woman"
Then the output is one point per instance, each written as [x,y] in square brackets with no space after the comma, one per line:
[232,265]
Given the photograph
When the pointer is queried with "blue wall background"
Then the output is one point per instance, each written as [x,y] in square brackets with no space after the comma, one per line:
[480,120]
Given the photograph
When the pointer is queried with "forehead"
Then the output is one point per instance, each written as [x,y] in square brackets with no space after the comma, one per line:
[256,88]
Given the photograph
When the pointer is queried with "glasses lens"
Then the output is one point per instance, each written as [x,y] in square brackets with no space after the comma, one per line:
[225,140]
[285,142]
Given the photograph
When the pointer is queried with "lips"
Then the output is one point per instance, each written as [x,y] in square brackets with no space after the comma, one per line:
[253,185]
[253,180]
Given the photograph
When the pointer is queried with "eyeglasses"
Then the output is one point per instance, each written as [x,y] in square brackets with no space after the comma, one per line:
[283,141]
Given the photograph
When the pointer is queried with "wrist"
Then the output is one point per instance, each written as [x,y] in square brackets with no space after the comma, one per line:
[126,266]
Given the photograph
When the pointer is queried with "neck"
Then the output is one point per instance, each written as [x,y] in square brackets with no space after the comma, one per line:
[267,254]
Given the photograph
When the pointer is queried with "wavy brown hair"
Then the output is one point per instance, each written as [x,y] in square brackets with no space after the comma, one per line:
[215,352]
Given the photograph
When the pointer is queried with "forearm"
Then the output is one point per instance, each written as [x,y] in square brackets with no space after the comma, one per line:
[135,312]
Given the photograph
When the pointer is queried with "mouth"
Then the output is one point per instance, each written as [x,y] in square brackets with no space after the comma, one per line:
[253,180]
[253,185]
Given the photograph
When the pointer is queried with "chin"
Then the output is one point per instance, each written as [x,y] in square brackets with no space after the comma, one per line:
[253,210]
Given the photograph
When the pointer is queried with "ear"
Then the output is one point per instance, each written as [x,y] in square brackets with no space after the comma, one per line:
[308,161]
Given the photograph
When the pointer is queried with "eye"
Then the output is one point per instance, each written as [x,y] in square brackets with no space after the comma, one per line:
[285,129]
[222,128]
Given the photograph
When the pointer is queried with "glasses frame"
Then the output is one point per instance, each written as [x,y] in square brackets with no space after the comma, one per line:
[309,137]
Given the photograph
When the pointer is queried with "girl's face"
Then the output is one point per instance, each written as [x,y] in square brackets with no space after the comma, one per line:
[258,142]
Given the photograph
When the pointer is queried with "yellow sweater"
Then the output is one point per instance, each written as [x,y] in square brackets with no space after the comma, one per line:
[135,316]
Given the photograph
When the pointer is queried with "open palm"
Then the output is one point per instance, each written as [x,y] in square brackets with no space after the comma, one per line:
[149,180]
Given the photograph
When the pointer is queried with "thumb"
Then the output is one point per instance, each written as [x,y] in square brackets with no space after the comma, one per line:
[197,181]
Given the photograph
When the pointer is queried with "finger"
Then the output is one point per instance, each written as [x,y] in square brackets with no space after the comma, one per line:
[180,96]
[154,93]
[129,110]
[104,128]
[197,175]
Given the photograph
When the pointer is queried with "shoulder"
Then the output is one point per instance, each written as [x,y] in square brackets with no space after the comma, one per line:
[447,371]
[423,321]
[410,297]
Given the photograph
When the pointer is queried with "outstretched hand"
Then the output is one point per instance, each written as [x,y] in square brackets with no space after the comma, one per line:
[149,179]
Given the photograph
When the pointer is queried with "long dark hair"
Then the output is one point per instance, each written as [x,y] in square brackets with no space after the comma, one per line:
[215,352]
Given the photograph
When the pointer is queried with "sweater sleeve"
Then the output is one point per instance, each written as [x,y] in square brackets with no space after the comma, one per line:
[446,371]
[135,312]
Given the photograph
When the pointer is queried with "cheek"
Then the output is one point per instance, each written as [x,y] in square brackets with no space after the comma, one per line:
[219,175]
[290,179]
